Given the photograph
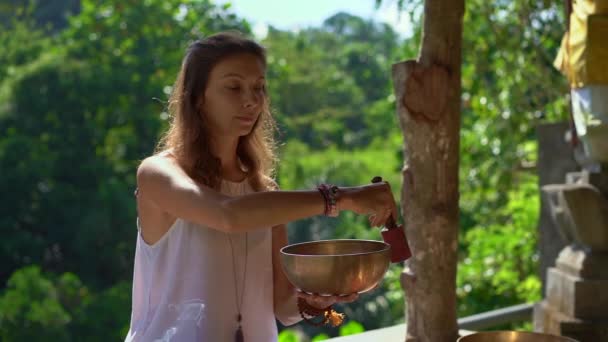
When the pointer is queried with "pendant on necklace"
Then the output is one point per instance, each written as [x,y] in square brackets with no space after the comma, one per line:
[238,337]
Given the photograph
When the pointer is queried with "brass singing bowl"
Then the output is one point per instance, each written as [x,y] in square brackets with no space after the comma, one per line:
[513,336]
[336,267]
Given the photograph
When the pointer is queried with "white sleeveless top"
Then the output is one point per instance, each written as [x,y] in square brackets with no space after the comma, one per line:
[184,286]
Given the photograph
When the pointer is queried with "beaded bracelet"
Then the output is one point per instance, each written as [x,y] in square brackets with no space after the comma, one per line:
[329,193]
[329,314]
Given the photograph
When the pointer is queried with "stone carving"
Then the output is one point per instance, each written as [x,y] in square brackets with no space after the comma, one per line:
[576,298]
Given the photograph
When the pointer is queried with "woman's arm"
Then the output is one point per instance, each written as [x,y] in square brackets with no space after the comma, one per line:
[166,185]
[161,181]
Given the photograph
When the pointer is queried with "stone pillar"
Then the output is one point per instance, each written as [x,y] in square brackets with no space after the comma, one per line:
[552,168]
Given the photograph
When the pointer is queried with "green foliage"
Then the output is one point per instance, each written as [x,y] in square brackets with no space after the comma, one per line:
[48,15]
[289,335]
[500,267]
[103,316]
[30,306]
[323,99]
[320,337]
[61,308]
[509,86]
[351,328]
[75,121]
[21,44]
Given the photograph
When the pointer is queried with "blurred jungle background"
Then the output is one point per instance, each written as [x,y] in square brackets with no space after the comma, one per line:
[83,91]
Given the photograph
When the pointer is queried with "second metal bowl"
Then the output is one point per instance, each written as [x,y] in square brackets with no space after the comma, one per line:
[513,336]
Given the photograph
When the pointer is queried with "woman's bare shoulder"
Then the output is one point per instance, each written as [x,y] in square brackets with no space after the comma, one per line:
[155,176]
[162,165]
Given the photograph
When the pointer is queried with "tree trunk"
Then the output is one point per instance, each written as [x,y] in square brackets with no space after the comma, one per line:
[428,106]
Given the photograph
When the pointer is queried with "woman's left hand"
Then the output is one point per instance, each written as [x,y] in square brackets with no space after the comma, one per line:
[322,302]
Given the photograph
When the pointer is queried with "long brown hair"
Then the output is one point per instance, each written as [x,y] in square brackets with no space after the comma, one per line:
[188,136]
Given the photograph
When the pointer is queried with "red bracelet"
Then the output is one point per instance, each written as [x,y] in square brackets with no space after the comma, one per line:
[329,193]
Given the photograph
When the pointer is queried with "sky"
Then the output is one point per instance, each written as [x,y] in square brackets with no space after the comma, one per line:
[299,14]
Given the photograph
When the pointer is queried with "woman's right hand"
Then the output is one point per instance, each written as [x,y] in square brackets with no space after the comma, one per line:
[374,199]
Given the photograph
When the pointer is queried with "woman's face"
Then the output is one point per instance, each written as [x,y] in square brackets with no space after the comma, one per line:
[235,95]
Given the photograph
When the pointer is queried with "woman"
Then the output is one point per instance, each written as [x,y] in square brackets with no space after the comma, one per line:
[211,220]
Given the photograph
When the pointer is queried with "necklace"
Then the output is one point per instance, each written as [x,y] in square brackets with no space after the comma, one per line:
[238,337]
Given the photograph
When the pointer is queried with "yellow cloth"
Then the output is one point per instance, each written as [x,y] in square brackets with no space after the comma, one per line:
[583,55]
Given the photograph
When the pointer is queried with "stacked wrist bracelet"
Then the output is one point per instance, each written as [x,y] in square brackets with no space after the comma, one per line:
[330,194]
